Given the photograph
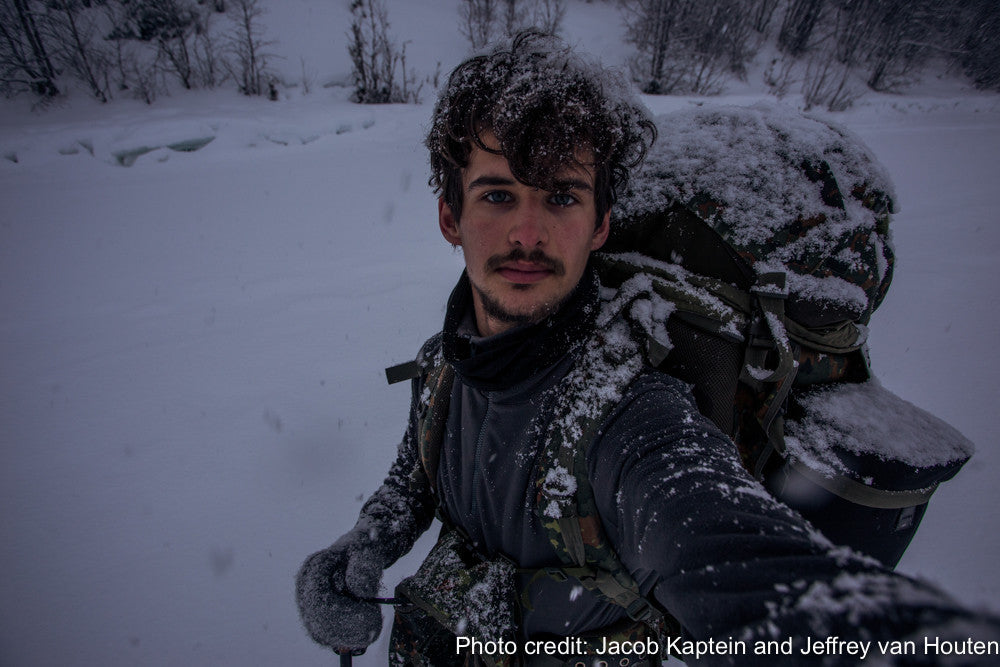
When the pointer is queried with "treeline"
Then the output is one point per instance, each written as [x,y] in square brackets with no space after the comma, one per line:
[830,51]
[132,47]
[379,65]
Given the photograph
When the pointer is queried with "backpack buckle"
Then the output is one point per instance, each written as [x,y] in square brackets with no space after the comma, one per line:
[640,610]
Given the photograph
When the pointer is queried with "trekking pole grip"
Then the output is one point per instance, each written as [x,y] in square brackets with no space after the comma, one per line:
[347,656]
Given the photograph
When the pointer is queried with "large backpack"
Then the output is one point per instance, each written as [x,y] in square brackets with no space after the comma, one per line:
[784,218]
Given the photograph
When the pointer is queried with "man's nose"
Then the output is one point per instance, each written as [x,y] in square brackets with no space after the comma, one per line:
[529,229]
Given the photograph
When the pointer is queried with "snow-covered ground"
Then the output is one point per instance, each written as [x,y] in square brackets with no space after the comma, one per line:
[191,348]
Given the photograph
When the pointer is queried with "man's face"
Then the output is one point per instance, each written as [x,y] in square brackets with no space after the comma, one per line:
[525,249]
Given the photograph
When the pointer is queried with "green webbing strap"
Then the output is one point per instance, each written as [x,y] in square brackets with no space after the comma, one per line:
[708,303]
[840,338]
[432,420]
[861,494]
[772,422]
[770,292]
[768,332]
[732,296]
[569,528]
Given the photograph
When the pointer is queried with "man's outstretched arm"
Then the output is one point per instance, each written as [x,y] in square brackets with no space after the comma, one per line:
[727,559]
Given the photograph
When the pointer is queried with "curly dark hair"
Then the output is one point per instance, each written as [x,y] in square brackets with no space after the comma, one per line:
[544,104]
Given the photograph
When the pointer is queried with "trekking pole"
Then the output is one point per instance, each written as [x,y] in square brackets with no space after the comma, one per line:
[347,657]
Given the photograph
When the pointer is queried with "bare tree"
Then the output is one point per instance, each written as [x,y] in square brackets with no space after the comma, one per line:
[650,26]
[546,16]
[513,15]
[170,25]
[978,36]
[25,62]
[688,46]
[779,76]
[855,22]
[375,57]
[74,31]
[248,47]
[146,80]
[900,41]
[797,27]
[482,21]
[731,35]
[889,39]
[761,12]
[208,59]
[828,83]
[478,19]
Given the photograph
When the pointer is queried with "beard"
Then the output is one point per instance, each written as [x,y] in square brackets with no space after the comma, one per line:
[496,310]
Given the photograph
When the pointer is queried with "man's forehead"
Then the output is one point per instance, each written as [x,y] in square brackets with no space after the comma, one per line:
[492,169]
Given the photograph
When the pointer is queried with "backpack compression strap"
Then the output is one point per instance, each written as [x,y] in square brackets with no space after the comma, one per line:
[768,335]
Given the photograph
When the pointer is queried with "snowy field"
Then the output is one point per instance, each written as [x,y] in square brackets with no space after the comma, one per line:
[191,348]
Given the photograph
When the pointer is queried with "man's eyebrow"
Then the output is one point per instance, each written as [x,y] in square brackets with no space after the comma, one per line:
[572,184]
[490,181]
[564,185]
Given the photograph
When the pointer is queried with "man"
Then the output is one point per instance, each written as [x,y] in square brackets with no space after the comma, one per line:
[528,147]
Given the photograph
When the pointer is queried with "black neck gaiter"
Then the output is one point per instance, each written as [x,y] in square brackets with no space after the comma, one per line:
[509,358]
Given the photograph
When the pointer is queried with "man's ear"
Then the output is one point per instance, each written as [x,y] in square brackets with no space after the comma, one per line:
[448,223]
[601,233]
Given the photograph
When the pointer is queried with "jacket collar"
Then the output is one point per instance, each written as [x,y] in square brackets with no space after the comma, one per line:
[509,358]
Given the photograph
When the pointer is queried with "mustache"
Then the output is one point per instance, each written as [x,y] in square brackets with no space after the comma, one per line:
[536,256]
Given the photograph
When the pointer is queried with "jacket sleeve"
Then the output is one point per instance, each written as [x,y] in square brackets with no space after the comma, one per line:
[727,559]
[403,506]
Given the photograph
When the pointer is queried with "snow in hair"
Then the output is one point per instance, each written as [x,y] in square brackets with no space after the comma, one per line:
[543,102]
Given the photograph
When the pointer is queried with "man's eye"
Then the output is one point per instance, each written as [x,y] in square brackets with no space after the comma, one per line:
[562,199]
[497,197]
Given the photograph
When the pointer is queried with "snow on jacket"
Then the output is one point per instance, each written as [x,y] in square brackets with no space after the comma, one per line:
[698,534]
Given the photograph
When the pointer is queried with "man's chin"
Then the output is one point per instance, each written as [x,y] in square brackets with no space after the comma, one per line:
[510,311]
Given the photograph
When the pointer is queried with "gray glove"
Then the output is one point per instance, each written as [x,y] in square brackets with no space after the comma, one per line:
[331,588]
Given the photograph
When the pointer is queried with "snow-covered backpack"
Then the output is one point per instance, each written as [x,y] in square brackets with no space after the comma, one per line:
[784,220]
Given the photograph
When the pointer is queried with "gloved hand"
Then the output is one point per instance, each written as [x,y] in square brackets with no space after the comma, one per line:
[330,589]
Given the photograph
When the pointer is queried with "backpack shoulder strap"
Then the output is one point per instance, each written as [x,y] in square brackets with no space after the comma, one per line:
[436,378]
[609,362]
[432,418]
